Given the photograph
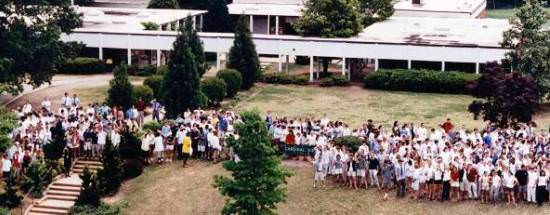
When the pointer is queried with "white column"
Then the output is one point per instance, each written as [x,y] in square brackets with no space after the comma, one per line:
[268,24]
[195,22]
[276,25]
[101,53]
[409,64]
[310,68]
[176,26]
[201,24]
[129,56]
[158,57]
[251,24]
[280,68]
[343,66]
[286,64]
[477,68]
[218,61]
[376,65]
[443,66]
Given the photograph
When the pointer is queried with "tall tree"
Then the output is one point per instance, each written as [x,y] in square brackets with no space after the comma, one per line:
[376,10]
[243,56]
[110,176]
[120,88]
[330,18]
[181,83]
[163,4]
[530,43]
[29,41]
[506,97]
[255,185]
[217,19]
[195,44]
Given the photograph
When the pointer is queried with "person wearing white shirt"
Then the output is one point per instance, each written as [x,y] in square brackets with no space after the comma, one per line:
[532,177]
[101,141]
[115,138]
[46,104]
[6,166]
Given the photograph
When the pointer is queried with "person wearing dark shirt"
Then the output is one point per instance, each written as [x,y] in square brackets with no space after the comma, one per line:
[140,106]
[522,176]
[373,171]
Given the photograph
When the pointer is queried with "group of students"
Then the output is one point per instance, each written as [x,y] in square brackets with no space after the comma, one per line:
[494,164]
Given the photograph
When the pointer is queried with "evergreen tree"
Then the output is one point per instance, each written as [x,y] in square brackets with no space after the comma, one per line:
[181,83]
[10,198]
[120,88]
[53,151]
[89,193]
[255,183]
[530,43]
[195,44]
[194,4]
[36,179]
[163,4]
[110,176]
[243,56]
[217,19]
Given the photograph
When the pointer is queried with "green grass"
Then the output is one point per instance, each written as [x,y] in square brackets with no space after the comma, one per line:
[502,13]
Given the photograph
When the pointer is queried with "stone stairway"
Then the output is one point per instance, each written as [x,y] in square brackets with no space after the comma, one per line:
[61,194]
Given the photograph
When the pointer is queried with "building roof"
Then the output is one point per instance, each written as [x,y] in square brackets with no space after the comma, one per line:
[437,31]
[100,18]
[440,8]
[266,9]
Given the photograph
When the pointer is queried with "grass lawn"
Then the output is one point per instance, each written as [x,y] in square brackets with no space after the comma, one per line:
[171,189]
[354,105]
[502,13]
[99,93]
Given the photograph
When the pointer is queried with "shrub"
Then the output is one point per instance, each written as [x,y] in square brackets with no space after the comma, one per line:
[301,60]
[350,142]
[132,168]
[82,65]
[284,78]
[36,179]
[335,80]
[152,126]
[10,198]
[144,92]
[214,89]
[420,81]
[142,70]
[150,26]
[89,192]
[102,209]
[130,143]
[5,211]
[233,81]
[155,83]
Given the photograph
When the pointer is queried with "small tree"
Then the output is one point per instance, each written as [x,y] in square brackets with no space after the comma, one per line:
[163,4]
[10,198]
[89,193]
[195,44]
[181,83]
[507,97]
[36,179]
[243,56]
[110,176]
[53,151]
[255,183]
[120,88]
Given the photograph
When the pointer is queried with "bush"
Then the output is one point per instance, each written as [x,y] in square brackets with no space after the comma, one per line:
[350,142]
[301,60]
[144,92]
[233,81]
[142,70]
[335,80]
[36,179]
[130,144]
[214,89]
[82,65]
[155,83]
[150,26]
[5,211]
[132,168]
[283,78]
[420,81]
[152,126]
[102,209]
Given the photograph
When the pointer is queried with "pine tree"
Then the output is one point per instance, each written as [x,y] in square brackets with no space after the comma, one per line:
[120,88]
[53,151]
[181,83]
[36,179]
[89,194]
[110,176]
[217,19]
[196,46]
[10,198]
[164,4]
[243,56]
[255,183]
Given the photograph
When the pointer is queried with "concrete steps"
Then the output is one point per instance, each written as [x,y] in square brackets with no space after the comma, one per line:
[63,192]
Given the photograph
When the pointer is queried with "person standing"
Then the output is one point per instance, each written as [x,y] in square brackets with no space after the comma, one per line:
[140,106]
[532,185]
[186,148]
[67,162]
[522,177]
[542,193]
[156,110]
[400,178]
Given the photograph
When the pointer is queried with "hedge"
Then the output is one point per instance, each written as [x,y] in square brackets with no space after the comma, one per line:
[284,78]
[82,65]
[144,92]
[233,81]
[214,89]
[419,81]
[142,70]
[335,80]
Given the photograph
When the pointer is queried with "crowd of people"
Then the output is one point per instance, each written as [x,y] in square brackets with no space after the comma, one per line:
[446,163]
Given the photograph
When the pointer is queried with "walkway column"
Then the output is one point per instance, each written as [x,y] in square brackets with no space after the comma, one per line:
[101,53]
[201,24]
[477,68]
[129,56]
[195,22]
[158,57]
[251,24]
[280,68]
[310,68]
[376,64]
[218,61]
[344,66]
[268,24]
[286,64]
[276,25]
[409,64]
[443,66]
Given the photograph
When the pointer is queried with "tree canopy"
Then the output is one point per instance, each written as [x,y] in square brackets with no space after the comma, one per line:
[29,41]
[243,56]
[256,178]
[530,43]
[195,44]
[330,18]
[217,19]
[164,4]
[376,10]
